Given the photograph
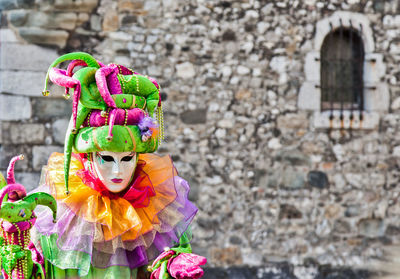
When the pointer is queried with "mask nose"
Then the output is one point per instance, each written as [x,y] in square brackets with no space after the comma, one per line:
[116,168]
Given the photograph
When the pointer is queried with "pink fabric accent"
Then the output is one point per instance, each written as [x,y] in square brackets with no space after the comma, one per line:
[139,197]
[73,64]
[135,115]
[123,70]
[155,274]
[113,83]
[186,266]
[12,227]
[101,64]
[60,77]
[111,121]
[11,188]
[36,256]
[101,81]
[70,70]
[75,101]
[163,255]
[10,169]
[15,196]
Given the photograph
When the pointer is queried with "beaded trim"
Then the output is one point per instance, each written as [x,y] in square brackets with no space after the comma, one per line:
[107,113]
[160,120]
[88,118]
[126,117]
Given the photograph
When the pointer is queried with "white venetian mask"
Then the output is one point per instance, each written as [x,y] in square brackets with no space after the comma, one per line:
[114,169]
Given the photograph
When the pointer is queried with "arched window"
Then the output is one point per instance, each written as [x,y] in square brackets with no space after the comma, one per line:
[342,61]
[344,74]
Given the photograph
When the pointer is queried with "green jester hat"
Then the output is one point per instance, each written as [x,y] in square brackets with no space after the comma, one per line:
[112,110]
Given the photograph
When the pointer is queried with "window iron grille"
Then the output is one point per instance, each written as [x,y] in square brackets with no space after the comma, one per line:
[342,61]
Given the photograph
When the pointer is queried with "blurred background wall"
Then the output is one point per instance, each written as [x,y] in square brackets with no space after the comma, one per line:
[276,176]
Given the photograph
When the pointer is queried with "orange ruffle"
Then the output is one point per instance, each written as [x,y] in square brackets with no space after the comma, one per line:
[116,216]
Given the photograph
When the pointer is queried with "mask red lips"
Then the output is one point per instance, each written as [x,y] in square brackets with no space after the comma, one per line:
[116,180]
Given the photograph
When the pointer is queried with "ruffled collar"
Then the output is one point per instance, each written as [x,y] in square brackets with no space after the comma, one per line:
[130,214]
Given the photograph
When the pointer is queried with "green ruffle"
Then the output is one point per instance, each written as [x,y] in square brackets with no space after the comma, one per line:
[75,264]
[113,272]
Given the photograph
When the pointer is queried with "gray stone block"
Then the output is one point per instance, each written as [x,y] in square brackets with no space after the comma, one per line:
[17,133]
[371,227]
[194,189]
[293,121]
[50,108]
[26,83]
[14,107]
[75,5]
[293,179]
[95,22]
[7,36]
[41,154]
[17,17]
[293,157]
[185,70]
[44,20]
[352,210]
[22,59]
[288,211]
[318,179]
[197,116]
[342,227]
[41,36]
[28,179]
[7,151]
[7,4]
[59,130]
[13,4]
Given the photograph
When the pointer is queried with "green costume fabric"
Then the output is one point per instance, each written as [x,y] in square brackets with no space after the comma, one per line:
[126,138]
[2,181]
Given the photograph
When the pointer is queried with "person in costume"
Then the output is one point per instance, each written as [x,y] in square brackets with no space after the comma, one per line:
[119,205]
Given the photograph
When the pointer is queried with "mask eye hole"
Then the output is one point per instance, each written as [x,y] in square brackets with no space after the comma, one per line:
[107,158]
[127,158]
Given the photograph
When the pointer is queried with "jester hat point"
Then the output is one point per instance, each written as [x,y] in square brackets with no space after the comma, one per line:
[112,107]
[15,204]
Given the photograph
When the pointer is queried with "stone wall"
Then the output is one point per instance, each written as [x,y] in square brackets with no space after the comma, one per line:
[269,185]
